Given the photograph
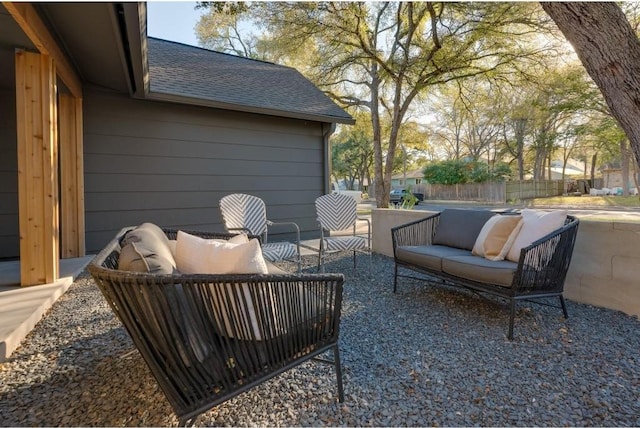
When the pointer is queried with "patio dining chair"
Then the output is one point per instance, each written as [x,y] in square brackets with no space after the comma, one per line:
[338,213]
[248,213]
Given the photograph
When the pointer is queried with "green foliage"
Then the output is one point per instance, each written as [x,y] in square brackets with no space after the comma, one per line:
[445,172]
[460,172]
[352,152]
[409,200]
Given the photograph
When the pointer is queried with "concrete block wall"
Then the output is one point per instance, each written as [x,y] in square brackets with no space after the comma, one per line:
[604,270]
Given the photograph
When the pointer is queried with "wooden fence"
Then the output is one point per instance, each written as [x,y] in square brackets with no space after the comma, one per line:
[494,192]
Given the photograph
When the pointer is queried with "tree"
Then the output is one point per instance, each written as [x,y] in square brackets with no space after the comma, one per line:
[609,49]
[352,153]
[381,57]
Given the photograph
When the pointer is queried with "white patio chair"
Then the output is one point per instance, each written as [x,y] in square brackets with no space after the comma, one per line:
[338,213]
[248,213]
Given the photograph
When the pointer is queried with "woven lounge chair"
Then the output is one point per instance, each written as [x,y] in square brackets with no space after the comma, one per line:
[248,213]
[208,338]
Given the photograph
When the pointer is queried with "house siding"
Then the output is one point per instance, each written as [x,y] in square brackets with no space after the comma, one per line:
[9,222]
[170,164]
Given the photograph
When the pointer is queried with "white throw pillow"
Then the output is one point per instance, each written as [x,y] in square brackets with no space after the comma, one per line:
[214,256]
[535,225]
[497,236]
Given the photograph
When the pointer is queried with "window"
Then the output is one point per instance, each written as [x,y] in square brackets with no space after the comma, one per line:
[418,180]
[401,182]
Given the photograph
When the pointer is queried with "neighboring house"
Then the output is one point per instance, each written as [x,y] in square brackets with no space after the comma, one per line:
[572,169]
[411,178]
[146,130]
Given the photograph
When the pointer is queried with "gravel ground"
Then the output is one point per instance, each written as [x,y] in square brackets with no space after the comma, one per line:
[426,356]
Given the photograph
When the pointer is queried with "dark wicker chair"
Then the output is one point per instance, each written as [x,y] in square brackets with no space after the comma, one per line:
[208,338]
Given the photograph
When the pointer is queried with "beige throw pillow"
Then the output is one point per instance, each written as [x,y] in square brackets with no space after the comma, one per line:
[214,256]
[497,236]
[535,225]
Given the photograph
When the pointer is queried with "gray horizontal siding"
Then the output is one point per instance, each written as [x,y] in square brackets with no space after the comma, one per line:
[9,222]
[170,164]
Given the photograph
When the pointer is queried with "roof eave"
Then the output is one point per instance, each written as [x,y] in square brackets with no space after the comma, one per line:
[158,96]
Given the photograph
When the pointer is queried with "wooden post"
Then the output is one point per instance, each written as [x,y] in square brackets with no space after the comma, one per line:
[36,113]
[71,177]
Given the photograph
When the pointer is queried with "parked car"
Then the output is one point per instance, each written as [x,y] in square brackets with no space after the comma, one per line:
[397,195]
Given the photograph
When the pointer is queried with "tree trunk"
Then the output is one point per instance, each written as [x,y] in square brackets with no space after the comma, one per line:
[610,51]
[594,159]
[624,166]
[520,129]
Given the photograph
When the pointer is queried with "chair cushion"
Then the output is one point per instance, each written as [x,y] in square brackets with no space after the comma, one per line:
[274,251]
[479,269]
[460,228]
[428,256]
[497,236]
[146,249]
[340,243]
[535,225]
[198,255]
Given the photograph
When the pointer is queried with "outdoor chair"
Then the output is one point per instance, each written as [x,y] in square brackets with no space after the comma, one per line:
[337,213]
[206,337]
[248,213]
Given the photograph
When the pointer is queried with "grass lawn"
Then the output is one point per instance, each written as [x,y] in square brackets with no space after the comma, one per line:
[588,201]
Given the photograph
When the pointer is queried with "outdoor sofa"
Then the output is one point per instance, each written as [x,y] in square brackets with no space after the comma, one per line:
[209,337]
[514,255]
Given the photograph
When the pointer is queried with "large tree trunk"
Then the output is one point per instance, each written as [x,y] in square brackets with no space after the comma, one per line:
[610,51]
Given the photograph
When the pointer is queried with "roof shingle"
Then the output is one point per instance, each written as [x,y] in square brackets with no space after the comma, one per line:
[237,83]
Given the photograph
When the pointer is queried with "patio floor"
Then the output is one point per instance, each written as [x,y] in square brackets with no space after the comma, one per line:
[427,355]
[23,307]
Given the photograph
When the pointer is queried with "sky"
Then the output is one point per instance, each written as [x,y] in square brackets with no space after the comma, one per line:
[173,20]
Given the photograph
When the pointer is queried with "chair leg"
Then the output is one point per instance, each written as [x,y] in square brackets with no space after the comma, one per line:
[395,277]
[336,359]
[512,316]
[564,307]
[320,261]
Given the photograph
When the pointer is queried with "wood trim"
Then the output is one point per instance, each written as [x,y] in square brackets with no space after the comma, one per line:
[71,177]
[36,113]
[33,26]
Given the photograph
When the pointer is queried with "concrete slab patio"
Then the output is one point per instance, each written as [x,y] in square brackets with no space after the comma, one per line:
[23,307]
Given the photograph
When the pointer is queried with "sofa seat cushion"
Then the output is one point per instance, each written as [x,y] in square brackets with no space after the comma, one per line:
[479,269]
[460,228]
[428,256]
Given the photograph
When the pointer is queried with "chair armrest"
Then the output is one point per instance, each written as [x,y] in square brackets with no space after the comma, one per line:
[543,265]
[288,223]
[419,232]
[368,228]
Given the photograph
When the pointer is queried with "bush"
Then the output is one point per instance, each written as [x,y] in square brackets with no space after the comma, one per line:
[460,172]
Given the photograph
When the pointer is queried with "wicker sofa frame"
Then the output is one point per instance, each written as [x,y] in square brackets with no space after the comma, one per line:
[540,274]
[208,338]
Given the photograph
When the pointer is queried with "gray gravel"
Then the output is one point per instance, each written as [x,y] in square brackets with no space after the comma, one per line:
[426,356]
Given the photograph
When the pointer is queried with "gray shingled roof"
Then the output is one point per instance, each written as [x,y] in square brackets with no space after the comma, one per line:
[227,81]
